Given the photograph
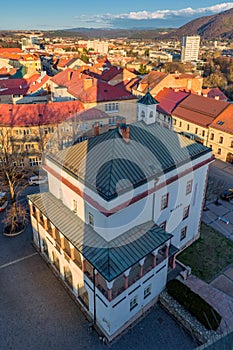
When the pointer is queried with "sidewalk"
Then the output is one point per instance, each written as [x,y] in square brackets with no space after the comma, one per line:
[222,302]
[212,214]
[227,167]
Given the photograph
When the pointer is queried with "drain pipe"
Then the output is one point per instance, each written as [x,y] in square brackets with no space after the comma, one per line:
[94,291]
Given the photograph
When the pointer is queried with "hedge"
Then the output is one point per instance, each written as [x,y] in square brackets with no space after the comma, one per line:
[193,303]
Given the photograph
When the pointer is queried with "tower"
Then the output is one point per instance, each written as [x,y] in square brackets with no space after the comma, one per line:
[147,109]
[190,48]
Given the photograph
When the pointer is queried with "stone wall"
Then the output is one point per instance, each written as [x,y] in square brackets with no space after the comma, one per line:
[188,322]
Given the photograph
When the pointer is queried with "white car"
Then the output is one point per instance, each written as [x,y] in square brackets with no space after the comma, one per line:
[37,180]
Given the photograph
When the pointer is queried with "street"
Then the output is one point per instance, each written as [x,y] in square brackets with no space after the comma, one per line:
[37,312]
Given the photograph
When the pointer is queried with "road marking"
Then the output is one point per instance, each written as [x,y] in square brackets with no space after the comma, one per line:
[17,260]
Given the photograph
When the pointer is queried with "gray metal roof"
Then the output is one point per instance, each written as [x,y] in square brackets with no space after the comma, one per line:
[148,99]
[105,161]
[109,258]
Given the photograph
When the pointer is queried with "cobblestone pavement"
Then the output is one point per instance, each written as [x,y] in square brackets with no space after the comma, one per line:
[37,313]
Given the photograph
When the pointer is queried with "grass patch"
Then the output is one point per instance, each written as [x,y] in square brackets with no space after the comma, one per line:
[209,255]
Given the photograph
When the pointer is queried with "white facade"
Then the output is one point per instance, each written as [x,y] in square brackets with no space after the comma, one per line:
[173,200]
[190,48]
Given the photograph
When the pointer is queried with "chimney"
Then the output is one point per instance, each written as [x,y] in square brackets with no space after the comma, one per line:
[70,75]
[88,82]
[125,133]
[96,129]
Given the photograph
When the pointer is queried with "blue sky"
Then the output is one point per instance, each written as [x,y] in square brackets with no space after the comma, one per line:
[59,14]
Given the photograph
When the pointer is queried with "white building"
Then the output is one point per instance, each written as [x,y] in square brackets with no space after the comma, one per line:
[162,56]
[120,206]
[190,48]
[98,46]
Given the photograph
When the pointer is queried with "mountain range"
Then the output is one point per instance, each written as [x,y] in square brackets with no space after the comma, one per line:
[208,27]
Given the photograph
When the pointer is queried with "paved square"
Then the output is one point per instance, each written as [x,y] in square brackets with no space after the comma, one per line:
[224,284]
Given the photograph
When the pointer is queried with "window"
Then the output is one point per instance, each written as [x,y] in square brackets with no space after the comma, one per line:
[231,144]
[147,291]
[133,303]
[219,151]
[174,121]
[186,212]
[180,124]
[189,186]
[187,127]
[163,225]
[75,207]
[196,131]
[164,201]
[220,139]
[143,115]
[183,233]
[111,107]
[211,146]
[151,115]
[212,136]
[35,161]
[203,133]
[90,219]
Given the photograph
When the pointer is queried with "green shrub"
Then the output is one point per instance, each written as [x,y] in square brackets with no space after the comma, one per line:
[193,303]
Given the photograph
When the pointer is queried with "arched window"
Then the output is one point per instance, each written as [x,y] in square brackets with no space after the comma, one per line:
[68,276]
[151,115]
[143,115]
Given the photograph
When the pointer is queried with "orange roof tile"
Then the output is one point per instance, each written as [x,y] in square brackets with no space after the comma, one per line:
[224,121]
[199,110]
[38,114]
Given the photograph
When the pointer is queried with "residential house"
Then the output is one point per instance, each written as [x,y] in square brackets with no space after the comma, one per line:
[34,89]
[194,115]
[168,100]
[91,91]
[221,135]
[120,206]
[155,81]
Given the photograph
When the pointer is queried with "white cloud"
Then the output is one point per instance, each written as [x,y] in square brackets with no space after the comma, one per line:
[163,14]
[159,14]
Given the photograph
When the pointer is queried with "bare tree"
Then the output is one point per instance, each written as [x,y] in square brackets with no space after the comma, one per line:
[213,189]
[13,171]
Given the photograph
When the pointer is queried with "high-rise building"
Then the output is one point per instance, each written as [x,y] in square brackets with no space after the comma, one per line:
[190,48]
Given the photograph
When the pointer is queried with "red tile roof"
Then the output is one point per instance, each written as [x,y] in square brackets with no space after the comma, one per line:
[169,99]
[128,84]
[10,50]
[22,86]
[199,110]
[89,89]
[92,114]
[111,72]
[99,92]
[214,93]
[38,114]
[224,122]
[152,79]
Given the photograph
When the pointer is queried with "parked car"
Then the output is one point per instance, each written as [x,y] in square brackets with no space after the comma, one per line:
[37,180]
[227,195]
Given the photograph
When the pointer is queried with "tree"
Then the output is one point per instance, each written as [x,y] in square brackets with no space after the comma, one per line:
[142,69]
[213,189]
[13,172]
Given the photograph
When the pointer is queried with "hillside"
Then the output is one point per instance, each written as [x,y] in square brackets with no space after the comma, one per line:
[208,27]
